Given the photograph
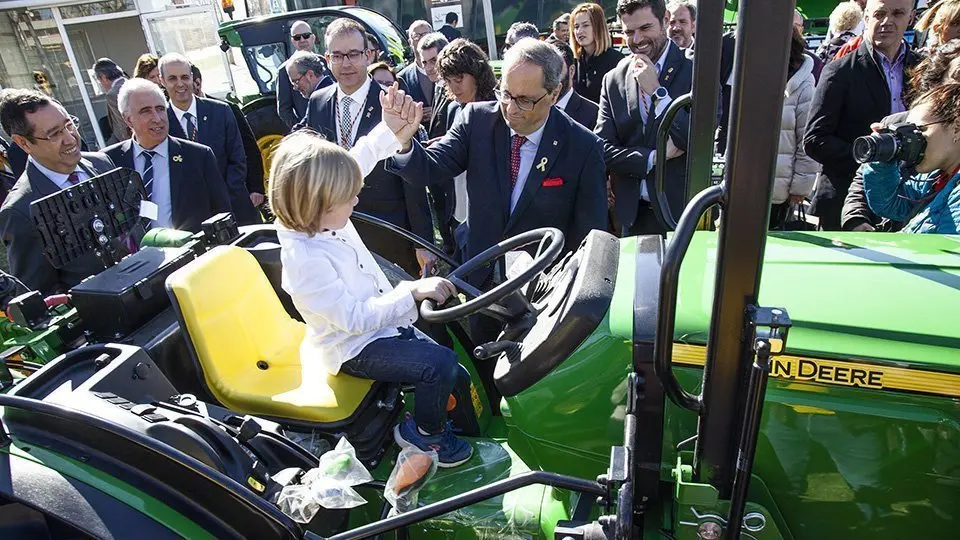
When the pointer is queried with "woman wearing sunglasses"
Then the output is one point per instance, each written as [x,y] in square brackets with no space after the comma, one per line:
[929,198]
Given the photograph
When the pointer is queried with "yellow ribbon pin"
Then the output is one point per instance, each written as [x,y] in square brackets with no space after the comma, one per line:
[542,165]
[177,159]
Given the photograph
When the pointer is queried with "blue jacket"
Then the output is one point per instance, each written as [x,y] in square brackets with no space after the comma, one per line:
[892,198]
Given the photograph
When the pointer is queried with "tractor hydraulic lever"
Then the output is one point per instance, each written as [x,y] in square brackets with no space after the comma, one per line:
[769,328]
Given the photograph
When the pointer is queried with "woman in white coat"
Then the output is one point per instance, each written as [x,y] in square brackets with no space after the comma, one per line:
[796,171]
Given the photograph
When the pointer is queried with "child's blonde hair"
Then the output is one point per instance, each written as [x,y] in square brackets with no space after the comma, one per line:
[308,177]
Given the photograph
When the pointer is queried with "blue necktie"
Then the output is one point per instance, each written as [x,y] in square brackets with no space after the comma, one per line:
[191,127]
[148,171]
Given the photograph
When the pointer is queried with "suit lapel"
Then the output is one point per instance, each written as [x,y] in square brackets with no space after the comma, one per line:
[176,130]
[127,159]
[542,164]
[371,113]
[39,181]
[875,82]
[632,93]
[177,178]
[671,66]
[203,112]
[87,167]
[501,151]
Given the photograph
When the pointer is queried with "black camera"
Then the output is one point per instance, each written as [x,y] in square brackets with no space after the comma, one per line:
[896,142]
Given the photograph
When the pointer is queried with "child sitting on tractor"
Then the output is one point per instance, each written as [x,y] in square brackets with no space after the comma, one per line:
[356,322]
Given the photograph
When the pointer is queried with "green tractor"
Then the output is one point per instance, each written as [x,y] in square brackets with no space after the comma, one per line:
[641,388]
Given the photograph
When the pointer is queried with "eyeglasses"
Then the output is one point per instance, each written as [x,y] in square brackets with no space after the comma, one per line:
[352,56]
[295,82]
[298,37]
[523,103]
[70,126]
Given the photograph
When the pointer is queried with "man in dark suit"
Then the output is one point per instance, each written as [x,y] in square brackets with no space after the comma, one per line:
[49,136]
[181,177]
[528,164]
[413,78]
[212,124]
[350,109]
[255,174]
[855,91]
[111,79]
[291,104]
[571,102]
[429,49]
[633,99]
[449,30]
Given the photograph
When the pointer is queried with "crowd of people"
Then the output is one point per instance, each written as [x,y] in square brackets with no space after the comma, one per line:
[566,138]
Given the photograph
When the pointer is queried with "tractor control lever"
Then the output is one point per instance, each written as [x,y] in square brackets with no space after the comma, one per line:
[494,348]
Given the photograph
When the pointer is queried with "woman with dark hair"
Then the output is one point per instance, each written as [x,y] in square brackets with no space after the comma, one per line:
[941,66]
[466,72]
[468,77]
[796,171]
[382,73]
[593,48]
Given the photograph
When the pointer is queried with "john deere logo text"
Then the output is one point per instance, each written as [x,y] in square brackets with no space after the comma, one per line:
[826,372]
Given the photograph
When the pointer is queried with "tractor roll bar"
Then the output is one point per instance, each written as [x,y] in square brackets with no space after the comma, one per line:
[661,207]
[667,307]
[420,242]
[585,487]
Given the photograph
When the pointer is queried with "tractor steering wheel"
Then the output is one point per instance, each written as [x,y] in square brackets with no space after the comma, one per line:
[489,303]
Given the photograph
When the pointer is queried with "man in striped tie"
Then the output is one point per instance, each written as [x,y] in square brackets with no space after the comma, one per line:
[50,136]
[350,109]
[180,177]
[212,124]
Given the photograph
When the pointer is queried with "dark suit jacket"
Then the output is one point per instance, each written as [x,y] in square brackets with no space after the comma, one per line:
[438,123]
[479,143]
[290,103]
[450,32]
[583,111]
[118,127]
[628,142]
[217,128]
[196,191]
[852,94]
[409,78]
[384,195]
[20,237]
[254,158]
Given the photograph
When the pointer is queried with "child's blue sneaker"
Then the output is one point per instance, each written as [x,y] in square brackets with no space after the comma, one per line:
[451,450]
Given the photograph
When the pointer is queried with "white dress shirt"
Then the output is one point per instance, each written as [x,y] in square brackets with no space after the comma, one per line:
[337,286]
[528,152]
[192,109]
[60,179]
[565,100]
[359,97]
[160,187]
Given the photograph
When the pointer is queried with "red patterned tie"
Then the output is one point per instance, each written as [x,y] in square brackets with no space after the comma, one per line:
[515,145]
[74,178]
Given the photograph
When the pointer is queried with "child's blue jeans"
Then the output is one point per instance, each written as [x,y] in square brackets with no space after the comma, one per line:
[411,359]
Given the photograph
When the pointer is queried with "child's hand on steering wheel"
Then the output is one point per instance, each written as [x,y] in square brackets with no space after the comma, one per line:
[437,289]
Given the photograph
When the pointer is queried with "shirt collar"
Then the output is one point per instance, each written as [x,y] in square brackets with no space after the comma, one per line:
[59,179]
[663,56]
[564,100]
[160,149]
[192,109]
[882,58]
[359,95]
[535,136]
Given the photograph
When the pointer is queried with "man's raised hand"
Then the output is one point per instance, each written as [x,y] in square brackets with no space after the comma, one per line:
[401,114]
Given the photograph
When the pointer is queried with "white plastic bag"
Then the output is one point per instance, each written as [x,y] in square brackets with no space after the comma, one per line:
[330,485]
[413,470]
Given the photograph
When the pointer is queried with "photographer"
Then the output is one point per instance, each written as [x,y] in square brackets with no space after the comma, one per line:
[910,170]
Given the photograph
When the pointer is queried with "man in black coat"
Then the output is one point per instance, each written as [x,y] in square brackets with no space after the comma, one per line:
[181,177]
[528,164]
[350,109]
[633,99]
[414,79]
[255,174]
[210,123]
[449,30]
[855,91]
[291,105]
[47,134]
[581,109]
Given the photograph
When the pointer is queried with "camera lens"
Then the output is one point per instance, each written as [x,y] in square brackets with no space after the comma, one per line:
[876,147]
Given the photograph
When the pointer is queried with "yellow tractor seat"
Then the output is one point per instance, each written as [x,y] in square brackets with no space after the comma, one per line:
[248,347]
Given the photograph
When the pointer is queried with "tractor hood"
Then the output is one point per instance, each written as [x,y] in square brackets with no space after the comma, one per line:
[867,296]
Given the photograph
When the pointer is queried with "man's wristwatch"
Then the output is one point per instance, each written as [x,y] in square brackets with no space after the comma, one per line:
[660,94]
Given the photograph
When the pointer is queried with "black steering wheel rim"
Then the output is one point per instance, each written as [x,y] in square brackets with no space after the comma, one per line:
[483,300]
